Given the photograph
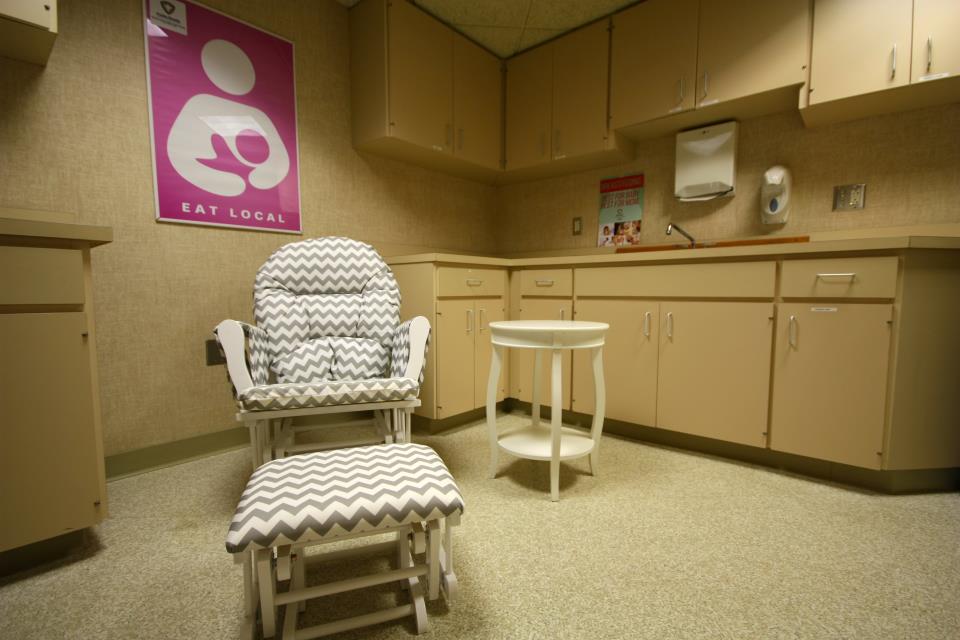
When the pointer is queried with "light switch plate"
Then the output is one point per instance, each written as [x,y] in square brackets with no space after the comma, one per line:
[849,196]
[577,226]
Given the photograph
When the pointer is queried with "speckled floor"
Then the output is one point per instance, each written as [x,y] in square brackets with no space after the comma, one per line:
[662,544]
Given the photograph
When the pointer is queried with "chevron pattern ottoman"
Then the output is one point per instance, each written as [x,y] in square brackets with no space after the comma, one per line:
[317,498]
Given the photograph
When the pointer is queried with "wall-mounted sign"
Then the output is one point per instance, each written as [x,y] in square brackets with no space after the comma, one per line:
[223,120]
[621,211]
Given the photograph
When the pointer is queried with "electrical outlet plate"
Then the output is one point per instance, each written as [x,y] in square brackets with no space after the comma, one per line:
[849,196]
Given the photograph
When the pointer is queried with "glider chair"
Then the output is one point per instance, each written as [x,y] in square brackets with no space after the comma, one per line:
[327,341]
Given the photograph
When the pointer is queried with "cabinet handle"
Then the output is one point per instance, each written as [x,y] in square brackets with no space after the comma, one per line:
[646,324]
[929,53]
[562,312]
[823,276]
[469,320]
[544,283]
[480,326]
[670,325]
[460,138]
[893,63]
[680,96]
[792,332]
[706,84]
[474,282]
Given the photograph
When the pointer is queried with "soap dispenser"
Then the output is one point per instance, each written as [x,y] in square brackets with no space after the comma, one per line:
[775,195]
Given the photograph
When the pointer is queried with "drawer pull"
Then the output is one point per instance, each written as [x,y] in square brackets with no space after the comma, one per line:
[544,283]
[474,282]
[824,276]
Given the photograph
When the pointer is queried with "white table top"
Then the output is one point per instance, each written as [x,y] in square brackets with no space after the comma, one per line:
[548,334]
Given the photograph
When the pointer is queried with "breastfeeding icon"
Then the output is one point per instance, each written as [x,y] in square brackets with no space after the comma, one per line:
[210,127]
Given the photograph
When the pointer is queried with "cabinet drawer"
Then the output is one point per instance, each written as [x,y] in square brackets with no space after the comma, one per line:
[724,280]
[33,275]
[463,281]
[546,282]
[839,278]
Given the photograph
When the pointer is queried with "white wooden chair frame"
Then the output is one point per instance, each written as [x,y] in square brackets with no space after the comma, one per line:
[272,433]
[262,570]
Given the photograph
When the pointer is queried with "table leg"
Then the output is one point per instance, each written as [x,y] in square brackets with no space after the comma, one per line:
[535,394]
[600,401]
[556,413]
[496,358]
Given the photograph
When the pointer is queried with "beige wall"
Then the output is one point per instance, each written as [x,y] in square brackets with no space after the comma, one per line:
[74,137]
[910,162]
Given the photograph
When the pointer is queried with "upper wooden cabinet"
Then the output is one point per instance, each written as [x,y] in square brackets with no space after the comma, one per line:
[422,93]
[936,47]
[420,78]
[748,47]
[557,107]
[477,87]
[880,56]
[28,29]
[706,60]
[653,61]
[859,46]
[529,110]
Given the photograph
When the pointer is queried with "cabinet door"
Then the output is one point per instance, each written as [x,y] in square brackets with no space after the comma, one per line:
[529,105]
[581,65]
[859,46]
[420,78]
[714,378]
[830,381]
[653,61]
[488,310]
[477,85]
[455,345]
[936,47]
[750,46]
[629,360]
[521,360]
[48,461]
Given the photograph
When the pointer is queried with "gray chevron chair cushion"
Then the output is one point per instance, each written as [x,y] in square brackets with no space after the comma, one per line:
[322,495]
[325,393]
[327,288]
[312,360]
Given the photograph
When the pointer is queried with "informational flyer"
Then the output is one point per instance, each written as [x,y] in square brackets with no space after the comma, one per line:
[621,211]
[223,120]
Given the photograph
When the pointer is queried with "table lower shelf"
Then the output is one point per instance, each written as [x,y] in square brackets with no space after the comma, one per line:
[533,443]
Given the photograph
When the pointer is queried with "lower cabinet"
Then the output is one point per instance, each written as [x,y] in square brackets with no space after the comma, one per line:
[463,353]
[521,360]
[714,369]
[830,381]
[630,356]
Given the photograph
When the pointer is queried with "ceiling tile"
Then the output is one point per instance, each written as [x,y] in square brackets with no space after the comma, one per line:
[533,37]
[503,41]
[499,13]
[569,14]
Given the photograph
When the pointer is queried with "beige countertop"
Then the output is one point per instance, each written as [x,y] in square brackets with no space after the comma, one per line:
[56,229]
[945,236]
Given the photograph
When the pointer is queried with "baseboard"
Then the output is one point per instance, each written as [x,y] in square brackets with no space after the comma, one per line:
[171,453]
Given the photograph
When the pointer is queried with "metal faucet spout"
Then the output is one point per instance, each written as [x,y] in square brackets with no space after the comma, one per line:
[670,229]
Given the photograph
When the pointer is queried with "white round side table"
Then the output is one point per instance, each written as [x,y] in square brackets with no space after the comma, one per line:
[533,441]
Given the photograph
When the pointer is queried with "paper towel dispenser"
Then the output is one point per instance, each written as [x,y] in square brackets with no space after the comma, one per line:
[706,162]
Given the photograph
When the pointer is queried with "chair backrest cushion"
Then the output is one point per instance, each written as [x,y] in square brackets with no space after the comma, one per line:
[330,306]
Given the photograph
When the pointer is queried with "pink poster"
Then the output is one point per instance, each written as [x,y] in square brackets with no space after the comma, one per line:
[223,120]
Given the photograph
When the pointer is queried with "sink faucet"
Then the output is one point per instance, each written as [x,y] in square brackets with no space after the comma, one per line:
[670,229]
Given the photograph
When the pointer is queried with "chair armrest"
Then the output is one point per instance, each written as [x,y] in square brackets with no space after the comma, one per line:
[410,343]
[233,337]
